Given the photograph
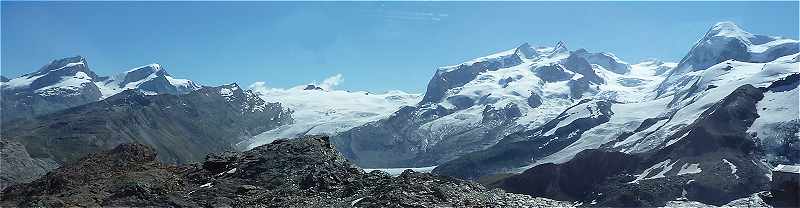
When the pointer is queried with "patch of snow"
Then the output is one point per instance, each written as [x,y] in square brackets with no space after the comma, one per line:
[732,167]
[664,166]
[688,168]
[354,202]
[225,92]
[19,82]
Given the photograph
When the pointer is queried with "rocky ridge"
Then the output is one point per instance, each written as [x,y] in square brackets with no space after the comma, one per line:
[303,172]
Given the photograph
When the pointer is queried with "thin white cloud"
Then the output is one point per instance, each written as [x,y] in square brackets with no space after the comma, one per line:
[331,82]
[328,84]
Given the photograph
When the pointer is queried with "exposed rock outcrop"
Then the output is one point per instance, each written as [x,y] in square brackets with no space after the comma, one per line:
[303,172]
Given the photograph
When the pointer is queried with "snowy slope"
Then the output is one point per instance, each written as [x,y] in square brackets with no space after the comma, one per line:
[471,106]
[710,86]
[319,109]
[627,130]
[726,41]
[643,117]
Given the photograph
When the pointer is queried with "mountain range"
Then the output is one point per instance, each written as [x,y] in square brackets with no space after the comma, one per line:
[570,125]
[69,82]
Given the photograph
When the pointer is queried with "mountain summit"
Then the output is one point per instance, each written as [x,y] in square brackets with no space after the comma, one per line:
[69,82]
[726,41]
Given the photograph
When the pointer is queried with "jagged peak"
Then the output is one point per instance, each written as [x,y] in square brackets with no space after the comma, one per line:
[559,48]
[232,86]
[526,51]
[141,73]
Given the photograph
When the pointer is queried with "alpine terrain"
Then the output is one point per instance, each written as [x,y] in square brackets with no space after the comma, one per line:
[547,126]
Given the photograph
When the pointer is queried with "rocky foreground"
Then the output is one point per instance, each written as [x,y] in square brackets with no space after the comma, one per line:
[303,172]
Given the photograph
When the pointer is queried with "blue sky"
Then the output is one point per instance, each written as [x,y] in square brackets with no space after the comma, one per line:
[376,46]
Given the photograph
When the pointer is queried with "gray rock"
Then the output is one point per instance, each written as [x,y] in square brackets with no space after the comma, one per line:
[18,166]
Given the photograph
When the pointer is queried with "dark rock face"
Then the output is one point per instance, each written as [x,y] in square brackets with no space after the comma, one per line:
[552,73]
[527,51]
[182,128]
[724,125]
[606,60]
[304,172]
[3,79]
[461,102]
[522,148]
[534,100]
[312,87]
[717,143]
[578,64]
[787,83]
[570,180]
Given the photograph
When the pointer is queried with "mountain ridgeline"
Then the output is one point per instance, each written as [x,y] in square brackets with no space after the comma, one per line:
[68,82]
[569,125]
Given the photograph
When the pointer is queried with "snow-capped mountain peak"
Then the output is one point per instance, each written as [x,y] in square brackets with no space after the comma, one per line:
[67,76]
[728,29]
[151,79]
[76,63]
[143,72]
[560,48]
[149,69]
[57,73]
[726,41]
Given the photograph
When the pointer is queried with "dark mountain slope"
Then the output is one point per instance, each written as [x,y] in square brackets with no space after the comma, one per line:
[181,128]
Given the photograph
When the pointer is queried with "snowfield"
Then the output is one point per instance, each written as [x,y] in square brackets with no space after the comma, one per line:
[326,110]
